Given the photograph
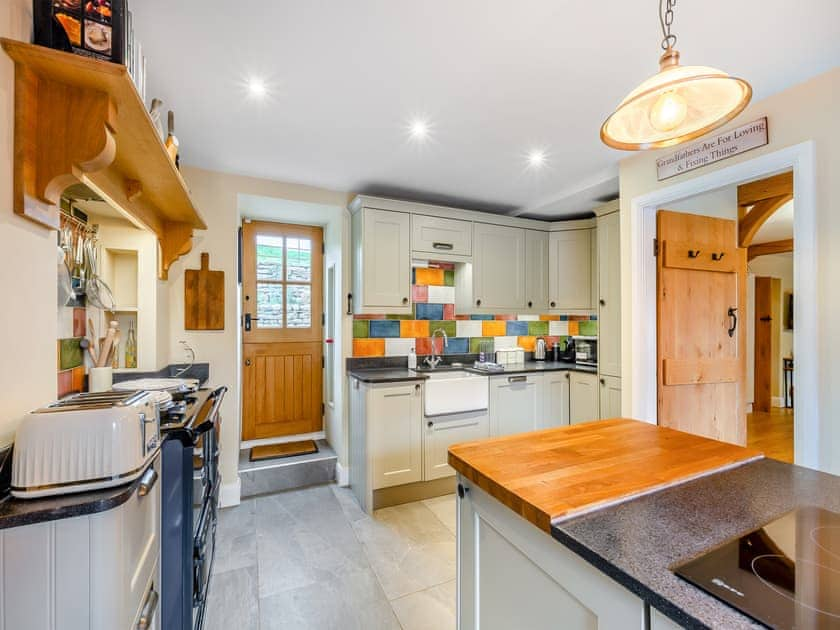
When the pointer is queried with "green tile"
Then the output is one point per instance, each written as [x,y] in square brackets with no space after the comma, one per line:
[69,353]
[479,344]
[399,317]
[361,328]
[449,278]
[537,328]
[588,328]
[447,326]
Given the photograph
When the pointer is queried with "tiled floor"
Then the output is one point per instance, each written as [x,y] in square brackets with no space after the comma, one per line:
[311,558]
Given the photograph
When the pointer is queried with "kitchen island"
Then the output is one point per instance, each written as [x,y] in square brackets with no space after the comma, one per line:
[579,527]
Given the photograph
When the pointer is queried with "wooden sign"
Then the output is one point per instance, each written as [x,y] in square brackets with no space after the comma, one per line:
[711,150]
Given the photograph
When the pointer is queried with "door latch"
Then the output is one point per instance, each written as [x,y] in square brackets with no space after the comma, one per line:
[733,324]
[248,320]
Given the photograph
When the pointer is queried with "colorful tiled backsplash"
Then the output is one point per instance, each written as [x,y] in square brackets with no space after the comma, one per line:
[433,293]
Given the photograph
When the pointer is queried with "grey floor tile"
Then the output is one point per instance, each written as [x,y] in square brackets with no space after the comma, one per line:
[431,609]
[444,508]
[233,602]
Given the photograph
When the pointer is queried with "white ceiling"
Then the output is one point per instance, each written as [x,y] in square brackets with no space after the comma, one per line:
[495,79]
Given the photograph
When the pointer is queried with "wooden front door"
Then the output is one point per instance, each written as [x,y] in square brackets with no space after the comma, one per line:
[766,372]
[701,341]
[282,294]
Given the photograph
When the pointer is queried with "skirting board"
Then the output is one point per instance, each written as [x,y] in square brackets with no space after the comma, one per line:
[342,475]
[230,493]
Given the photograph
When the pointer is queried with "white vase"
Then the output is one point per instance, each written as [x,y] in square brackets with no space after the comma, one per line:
[100,379]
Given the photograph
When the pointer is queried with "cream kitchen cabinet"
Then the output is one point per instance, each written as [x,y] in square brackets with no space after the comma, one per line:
[536,271]
[610,395]
[556,386]
[570,270]
[386,436]
[584,397]
[436,235]
[516,403]
[441,433]
[381,261]
[609,291]
[513,575]
[498,272]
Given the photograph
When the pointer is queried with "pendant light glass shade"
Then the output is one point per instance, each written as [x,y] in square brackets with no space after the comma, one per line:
[677,104]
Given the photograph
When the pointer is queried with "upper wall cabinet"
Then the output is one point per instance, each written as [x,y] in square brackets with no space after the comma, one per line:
[444,237]
[570,270]
[609,292]
[82,120]
[498,268]
[536,271]
[382,262]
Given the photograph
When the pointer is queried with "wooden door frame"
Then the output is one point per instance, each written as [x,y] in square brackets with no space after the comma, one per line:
[639,275]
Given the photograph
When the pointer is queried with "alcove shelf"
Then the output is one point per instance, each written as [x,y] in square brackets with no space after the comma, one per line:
[81,119]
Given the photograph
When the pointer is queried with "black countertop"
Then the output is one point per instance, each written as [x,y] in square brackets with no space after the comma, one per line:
[637,542]
[400,374]
[17,512]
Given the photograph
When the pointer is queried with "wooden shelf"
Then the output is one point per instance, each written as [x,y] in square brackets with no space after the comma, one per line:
[81,119]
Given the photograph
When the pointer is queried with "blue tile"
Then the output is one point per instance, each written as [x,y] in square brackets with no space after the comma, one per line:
[384,328]
[482,317]
[428,311]
[593,318]
[516,328]
[457,345]
[564,318]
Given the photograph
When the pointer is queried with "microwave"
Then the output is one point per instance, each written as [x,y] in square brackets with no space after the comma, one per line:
[586,350]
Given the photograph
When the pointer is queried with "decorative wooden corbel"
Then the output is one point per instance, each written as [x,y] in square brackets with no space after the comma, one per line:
[175,241]
[61,133]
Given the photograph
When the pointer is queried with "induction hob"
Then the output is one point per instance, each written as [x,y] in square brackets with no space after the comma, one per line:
[784,575]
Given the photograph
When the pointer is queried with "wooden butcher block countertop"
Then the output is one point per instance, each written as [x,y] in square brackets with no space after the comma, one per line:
[556,473]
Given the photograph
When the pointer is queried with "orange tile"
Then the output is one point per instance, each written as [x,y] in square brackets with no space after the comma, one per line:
[574,328]
[493,328]
[433,277]
[368,347]
[414,328]
[526,343]
[549,318]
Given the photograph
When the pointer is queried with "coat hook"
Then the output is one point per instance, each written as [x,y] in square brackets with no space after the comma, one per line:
[717,256]
[693,253]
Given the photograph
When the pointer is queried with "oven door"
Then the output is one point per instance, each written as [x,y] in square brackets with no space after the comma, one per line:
[204,545]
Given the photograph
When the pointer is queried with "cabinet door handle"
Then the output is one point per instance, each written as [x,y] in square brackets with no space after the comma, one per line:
[603,382]
[530,304]
[553,304]
[462,490]
[417,388]
[445,246]
[478,302]
[430,424]
[517,379]
[602,302]
[349,303]
[405,300]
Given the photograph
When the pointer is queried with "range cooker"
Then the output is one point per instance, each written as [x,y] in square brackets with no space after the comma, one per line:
[189,506]
[784,575]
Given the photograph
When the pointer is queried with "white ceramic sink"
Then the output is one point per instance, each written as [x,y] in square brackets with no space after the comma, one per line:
[454,392]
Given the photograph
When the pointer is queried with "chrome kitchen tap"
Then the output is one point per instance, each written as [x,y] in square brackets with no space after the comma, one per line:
[434,360]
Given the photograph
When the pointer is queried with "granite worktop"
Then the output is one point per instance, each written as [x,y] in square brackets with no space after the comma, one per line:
[399,374]
[638,542]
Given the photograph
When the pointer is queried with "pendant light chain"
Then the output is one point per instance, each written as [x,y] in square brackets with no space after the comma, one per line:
[666,18]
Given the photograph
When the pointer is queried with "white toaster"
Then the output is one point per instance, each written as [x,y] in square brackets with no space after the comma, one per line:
[84,442]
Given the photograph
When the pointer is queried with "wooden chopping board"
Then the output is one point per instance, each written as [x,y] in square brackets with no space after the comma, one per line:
[204,297]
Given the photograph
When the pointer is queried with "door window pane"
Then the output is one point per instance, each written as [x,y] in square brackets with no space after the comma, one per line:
[299,259]
[269,257]
[298,306]
[269,305]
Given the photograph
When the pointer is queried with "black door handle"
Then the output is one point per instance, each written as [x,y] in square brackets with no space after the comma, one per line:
[248,320]
[349,303]
[734,320]
[766,319]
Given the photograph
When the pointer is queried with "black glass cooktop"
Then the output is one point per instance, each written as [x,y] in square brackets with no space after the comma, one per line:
[784,575]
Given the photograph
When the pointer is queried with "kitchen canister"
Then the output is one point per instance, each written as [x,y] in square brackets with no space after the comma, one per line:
[100,379]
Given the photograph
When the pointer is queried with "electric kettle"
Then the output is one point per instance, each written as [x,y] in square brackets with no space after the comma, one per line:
[539,349]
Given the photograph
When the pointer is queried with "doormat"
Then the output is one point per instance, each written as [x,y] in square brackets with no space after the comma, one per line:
[288,449]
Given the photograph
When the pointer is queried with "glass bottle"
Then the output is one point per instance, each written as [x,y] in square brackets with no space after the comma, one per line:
[131,347]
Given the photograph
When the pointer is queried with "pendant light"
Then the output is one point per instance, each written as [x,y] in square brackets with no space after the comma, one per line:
[677,104]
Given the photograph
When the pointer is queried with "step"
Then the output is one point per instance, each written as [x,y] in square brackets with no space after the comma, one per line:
[287,473]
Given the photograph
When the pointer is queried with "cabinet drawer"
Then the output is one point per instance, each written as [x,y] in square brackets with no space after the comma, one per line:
[441,236]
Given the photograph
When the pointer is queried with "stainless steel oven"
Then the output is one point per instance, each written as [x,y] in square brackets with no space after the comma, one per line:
[586,350]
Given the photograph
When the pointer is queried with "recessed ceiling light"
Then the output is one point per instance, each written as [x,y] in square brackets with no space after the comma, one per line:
[419,129]
[256,87]
[536,158]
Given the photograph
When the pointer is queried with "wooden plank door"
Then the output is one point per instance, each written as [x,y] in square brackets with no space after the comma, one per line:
[282,349]
[701,340]
[766,370]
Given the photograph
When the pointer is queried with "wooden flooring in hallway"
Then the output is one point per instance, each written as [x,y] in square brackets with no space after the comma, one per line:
[772,433]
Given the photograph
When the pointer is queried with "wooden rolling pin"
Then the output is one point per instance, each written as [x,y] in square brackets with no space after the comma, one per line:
[105,350]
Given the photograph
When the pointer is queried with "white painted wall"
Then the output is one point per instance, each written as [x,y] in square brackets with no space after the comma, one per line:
[721,203]
[217,197]
[806,112]
[29,316]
